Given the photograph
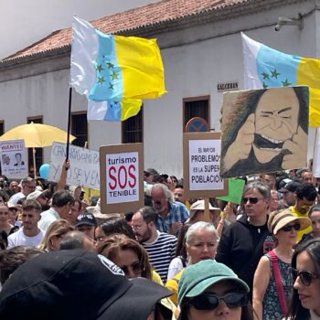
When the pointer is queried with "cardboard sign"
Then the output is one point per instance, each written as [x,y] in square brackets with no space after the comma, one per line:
[121,171]
[14,159]
[84,166]
[316,155]
[264,130]
[235,191]
[202,165]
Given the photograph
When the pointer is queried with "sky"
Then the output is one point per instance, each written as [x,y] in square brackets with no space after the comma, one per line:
[24,22]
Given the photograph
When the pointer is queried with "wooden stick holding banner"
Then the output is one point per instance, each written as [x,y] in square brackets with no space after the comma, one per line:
[69,125]
[206,210]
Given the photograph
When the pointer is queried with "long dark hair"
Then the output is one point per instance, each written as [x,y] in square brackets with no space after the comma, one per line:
[251,99]
[312,247]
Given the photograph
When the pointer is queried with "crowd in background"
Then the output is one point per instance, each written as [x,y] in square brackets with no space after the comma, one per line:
[259,259]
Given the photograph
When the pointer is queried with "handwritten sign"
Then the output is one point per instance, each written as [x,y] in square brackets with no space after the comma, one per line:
[202,165]
[14,159]
[121,169]
[84,166]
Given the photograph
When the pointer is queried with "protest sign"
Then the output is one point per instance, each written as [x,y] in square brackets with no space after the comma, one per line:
[235,190]
[84,165]
[316,155]
[202,165]
[14,159]
[264,130]
[121,171]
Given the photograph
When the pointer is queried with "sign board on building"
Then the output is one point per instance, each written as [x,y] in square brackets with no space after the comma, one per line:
[121,172]
[84,165]
[14,159]
[227,86]
[202,165]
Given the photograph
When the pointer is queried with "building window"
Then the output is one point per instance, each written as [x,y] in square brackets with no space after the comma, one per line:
[39,151]
[196,107]
[79,128]
[132,128]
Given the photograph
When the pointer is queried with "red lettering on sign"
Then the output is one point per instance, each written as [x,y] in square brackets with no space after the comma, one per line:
[122,184]
[133,180]
[112,177]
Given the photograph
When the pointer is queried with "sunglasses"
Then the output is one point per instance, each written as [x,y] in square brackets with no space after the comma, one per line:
[290,227]
[251,200]
[305,277]
[135,267]
[210,301]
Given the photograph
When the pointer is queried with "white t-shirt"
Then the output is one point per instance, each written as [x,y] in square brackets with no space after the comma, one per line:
[175,266]
[20,239]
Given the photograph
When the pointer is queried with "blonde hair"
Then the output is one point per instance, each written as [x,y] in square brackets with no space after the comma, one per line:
[57,228]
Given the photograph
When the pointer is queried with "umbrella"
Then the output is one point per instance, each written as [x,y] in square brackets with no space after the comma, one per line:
[36,135]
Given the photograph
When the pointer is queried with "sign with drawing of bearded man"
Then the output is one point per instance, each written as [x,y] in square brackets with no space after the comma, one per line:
[264,130]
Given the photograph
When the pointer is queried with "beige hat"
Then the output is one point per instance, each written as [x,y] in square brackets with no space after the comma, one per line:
[199,206]
[280,218]
[35,194]
[99,215]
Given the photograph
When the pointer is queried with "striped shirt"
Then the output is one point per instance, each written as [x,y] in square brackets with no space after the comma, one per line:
[161,252]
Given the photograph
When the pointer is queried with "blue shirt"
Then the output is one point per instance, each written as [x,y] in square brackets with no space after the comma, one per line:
[178,212]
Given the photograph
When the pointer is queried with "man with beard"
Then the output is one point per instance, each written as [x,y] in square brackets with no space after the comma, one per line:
[29,234]
[271,136]
[171,214]
[160,246]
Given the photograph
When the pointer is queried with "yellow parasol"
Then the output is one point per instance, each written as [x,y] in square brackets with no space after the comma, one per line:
[36,135]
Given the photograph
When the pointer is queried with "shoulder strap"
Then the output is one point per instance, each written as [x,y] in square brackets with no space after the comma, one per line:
[277,278]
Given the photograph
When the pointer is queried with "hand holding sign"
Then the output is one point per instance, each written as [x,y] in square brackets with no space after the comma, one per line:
[297,148]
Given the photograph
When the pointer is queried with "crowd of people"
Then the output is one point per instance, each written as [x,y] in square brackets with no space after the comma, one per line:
[62,258]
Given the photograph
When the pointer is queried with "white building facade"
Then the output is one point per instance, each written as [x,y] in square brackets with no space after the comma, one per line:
[202,54]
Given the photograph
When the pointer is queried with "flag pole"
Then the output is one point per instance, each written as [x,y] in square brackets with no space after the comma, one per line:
[69,123]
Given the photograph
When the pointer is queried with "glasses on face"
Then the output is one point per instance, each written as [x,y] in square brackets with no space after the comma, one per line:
[305,277]
[135,267]
[252,200]
[210,301]
[290,227]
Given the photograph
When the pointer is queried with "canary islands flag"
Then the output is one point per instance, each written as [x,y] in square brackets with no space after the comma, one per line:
[114,72]
[265,67]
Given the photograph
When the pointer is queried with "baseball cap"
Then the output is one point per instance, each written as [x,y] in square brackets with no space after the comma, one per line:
[86,219]
[290,186]
[278,219]
[198,277]
[76,284]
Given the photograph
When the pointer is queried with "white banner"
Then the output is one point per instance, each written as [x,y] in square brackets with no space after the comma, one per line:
[14,159]
[84,166]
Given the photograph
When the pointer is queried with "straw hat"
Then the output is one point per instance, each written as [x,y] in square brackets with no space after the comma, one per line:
[280,218]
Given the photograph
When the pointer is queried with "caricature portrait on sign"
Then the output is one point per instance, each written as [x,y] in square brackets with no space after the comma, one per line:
[264,130]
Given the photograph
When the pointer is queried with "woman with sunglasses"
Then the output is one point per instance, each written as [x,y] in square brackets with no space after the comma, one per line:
[133,259]
[273,280]
[210,290]
[305,302]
